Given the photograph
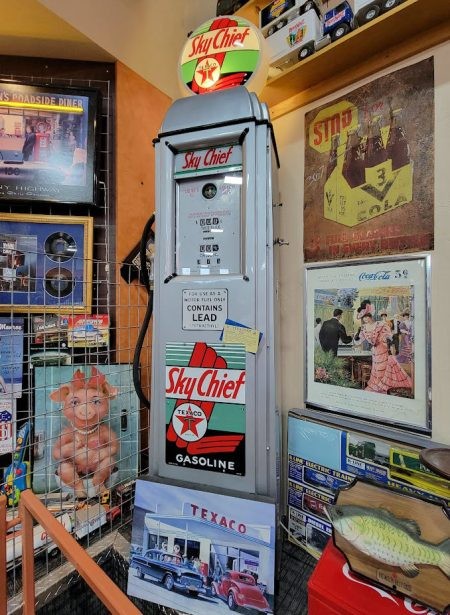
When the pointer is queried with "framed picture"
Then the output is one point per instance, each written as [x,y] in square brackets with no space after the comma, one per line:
[45,263]
[47,143]
[367,340]
[198,551]
[102,436]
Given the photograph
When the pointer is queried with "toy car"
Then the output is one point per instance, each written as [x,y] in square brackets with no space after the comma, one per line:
[292,34]
[42,542]
[228,7]
[170,570]
[366,10]
[339,21]
[240,589]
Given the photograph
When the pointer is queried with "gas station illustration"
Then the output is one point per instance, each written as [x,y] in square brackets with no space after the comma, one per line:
[205,542]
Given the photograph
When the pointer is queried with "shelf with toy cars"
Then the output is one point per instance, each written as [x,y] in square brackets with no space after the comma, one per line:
[409,28]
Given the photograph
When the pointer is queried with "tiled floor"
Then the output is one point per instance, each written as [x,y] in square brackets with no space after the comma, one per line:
[296,568]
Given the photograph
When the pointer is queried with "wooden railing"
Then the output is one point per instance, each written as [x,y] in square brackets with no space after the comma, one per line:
[31,508]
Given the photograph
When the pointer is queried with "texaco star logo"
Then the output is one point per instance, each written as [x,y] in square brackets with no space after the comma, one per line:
[189,422]
[207,72]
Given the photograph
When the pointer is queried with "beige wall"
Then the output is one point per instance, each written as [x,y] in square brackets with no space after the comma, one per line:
[145,35]
[289,132]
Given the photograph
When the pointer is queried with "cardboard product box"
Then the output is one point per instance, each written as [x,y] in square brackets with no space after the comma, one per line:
[50,329]
[334,590]
[327,458]
[309,530]
[316,475]
[308,499]
[88,331]
[362,455]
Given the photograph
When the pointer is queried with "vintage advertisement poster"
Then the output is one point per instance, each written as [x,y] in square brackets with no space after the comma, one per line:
[86,428]
[369,169]
[202,552]
[11,357]
[47,143]
[367,340]
[205,406]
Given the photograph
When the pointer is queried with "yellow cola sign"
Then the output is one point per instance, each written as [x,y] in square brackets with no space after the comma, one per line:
[338,119]
[383,190]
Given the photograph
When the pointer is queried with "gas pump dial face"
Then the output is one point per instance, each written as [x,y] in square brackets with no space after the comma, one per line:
[209,191]
[208,225]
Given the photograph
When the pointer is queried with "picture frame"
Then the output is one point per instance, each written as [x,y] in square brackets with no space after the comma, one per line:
[371,361]
[45,263]
[48,139]
[198,550]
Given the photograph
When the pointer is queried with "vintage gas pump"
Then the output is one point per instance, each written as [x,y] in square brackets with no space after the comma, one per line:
[214,417]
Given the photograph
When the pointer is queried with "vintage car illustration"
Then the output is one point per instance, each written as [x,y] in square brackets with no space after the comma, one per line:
[240,589]
[168,569]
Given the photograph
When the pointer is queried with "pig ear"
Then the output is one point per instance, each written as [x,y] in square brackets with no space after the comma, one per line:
[60,394]
[110,391]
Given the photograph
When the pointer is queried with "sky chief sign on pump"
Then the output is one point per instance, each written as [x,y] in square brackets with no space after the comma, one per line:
[205,407]
[217,158]
[222,53]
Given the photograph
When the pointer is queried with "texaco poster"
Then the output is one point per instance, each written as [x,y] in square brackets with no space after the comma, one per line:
[205,407]
[369,169]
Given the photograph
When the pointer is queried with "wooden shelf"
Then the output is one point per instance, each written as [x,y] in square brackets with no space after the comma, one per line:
[410,28]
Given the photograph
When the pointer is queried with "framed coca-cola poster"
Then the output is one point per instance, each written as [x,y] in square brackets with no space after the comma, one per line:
[368,340]
[369,169]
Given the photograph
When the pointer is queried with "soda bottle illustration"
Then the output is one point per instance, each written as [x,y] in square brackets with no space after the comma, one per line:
[353,168]
[375,152]
[397,145]
[332,160]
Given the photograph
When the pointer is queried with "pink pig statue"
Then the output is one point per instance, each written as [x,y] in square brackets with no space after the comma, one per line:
[87,448]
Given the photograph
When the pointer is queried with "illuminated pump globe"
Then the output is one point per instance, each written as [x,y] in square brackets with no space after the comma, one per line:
[223,53]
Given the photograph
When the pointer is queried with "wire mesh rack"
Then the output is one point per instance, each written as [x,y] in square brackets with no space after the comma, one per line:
[72,427]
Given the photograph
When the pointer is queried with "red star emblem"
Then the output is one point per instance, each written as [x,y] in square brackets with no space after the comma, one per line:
[207,71]
[189,422]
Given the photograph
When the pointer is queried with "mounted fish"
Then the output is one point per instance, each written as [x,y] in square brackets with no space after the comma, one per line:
[395,540]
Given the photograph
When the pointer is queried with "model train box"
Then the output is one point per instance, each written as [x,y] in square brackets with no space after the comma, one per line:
[316,475]
[309,531]
[326,458]
[362,455]
[307,499]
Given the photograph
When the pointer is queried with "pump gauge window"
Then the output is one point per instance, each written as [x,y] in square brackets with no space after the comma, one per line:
[208,225]
[209,190]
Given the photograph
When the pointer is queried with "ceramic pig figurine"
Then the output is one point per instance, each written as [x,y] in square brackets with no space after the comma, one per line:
[85,449]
